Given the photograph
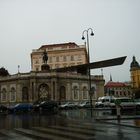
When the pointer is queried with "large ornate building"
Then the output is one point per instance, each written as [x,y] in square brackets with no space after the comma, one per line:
[135,77]
[29,87]
[64,86]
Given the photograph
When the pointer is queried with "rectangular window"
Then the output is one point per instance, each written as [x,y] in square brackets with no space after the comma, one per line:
[64,58]
[72,58]
[50,59]
[57,59]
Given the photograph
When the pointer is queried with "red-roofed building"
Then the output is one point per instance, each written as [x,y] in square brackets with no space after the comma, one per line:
[118,89]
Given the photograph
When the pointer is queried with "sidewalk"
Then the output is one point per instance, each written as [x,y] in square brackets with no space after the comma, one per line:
[130,121]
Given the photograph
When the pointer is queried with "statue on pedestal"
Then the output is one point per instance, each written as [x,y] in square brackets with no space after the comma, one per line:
[45,57]
[45,66]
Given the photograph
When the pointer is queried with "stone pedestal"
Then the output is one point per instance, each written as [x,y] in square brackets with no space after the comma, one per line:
[45,67]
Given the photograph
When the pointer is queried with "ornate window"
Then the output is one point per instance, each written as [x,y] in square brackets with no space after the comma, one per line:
[44,91]
[3,95]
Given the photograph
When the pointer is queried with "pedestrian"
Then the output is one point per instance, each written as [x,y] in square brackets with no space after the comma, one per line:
[118,108]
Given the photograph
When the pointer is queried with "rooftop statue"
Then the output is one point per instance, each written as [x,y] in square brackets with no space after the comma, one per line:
[45,57]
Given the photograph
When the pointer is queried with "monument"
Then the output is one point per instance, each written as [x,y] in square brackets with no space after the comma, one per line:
[45,66]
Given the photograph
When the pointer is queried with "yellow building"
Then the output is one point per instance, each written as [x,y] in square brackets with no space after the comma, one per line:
[135,76]
[59,55]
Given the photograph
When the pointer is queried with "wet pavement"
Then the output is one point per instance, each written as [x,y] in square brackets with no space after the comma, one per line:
[69,124]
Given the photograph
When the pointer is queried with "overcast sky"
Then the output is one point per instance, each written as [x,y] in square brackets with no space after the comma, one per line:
[28,24]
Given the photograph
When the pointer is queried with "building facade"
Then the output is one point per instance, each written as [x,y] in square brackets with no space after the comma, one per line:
[42,83]
[135,77]
[59,55]
[118,89]
[29,87]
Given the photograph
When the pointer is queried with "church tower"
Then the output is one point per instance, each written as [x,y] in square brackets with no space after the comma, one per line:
[135,76]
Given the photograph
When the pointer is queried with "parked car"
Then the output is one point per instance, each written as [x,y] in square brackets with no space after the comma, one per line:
[36,105]
[21,107]
[125,103]
[104,101]
[137,103]
[67,105]
[45,105]
[84,104]
[3,109]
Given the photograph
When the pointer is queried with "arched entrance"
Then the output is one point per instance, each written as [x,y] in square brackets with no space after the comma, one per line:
[43,93]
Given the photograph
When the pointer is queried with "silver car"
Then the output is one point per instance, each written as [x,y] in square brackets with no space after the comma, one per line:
[125,103]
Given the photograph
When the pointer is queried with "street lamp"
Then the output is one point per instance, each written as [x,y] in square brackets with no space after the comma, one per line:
[83,38]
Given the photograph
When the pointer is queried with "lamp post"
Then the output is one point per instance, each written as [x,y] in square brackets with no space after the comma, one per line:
[89,75]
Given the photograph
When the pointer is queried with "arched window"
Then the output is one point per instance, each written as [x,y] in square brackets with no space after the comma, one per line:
[25,95]
[3,95]
[13,94]
[62,95]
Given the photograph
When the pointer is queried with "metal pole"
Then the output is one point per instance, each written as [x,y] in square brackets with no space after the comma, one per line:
[89,75]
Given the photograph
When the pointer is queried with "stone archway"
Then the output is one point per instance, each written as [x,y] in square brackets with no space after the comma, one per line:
[43,92]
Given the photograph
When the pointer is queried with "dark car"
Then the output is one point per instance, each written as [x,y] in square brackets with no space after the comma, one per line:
[21,107]
[3,109]
[45,105]
[36,105]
